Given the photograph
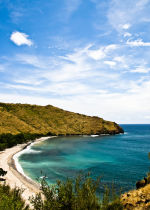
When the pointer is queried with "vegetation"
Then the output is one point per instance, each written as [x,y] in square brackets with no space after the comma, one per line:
[79,195]
[43,120]
[11,199]
[9,140]
[2,173]
[141,183]
[20,123]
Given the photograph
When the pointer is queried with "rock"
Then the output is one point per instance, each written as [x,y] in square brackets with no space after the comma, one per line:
[141,183]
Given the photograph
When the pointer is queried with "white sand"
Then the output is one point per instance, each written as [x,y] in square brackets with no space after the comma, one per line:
[13,177]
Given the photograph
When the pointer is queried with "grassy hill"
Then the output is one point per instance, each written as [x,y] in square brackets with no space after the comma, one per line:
[24,118]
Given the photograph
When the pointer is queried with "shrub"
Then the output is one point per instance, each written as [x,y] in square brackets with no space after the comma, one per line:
[8,140]
[11,199]
[81,194]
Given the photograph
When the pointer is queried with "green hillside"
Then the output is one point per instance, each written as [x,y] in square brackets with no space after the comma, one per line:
[24,118]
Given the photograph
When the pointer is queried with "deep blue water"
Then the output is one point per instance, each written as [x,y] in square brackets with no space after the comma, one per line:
[122,159]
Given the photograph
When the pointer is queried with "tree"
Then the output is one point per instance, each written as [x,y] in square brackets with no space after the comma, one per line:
[2,173]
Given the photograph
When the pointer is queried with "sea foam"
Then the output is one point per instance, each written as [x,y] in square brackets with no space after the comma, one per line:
[27,150]
[16,160]
[94,135]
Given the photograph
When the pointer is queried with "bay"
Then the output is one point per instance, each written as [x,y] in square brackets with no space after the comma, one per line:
[121,159]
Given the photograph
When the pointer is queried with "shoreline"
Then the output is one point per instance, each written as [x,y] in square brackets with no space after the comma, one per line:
[14,177]
[26,148]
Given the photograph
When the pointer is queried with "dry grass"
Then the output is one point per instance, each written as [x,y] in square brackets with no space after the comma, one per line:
[137,199]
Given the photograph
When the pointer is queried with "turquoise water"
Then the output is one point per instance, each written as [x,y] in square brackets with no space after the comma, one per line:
[122,159]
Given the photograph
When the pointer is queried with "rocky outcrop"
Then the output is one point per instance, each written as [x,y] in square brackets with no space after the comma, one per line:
[141,183]
[137,199]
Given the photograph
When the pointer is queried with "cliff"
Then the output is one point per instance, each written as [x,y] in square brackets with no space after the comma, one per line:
[24,118]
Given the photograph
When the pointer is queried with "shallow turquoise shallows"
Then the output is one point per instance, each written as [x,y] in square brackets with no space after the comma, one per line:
[122,159]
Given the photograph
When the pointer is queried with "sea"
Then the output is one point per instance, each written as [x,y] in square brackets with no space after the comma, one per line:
[120,160]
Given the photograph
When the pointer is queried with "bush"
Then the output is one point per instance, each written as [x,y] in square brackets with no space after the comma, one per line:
[81,194]
[11,199]
[2,172]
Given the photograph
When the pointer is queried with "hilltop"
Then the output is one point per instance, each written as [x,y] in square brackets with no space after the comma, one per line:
[25,118]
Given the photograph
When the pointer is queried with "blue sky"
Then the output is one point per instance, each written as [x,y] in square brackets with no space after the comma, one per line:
[91,57]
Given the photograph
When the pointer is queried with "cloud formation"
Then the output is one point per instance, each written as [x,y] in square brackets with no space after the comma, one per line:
[126,26]
[20,38]
[138,43]
[91,60]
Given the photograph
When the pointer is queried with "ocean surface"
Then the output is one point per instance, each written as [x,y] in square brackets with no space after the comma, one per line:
[120,159]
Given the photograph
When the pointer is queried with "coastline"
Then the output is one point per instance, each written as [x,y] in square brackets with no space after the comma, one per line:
[15,177]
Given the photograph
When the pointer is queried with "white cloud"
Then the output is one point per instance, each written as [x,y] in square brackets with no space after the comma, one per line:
[110,63]
[78,80]
[127,34]
[79,65]
[28,81]
[101,52]
[119,59]
[125,26]
[141,69]
[138,43]
[122,108]
[124,14]
[110,47]
[97,54]
[65,75]
[31,60]
[122,62]
[20,38]
[60,88]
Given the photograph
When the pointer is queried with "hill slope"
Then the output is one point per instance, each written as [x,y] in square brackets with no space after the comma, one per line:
[24,118]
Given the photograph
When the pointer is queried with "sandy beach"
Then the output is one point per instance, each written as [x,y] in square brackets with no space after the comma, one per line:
[13,177]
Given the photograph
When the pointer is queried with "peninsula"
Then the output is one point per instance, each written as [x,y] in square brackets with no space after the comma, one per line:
[50,120]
